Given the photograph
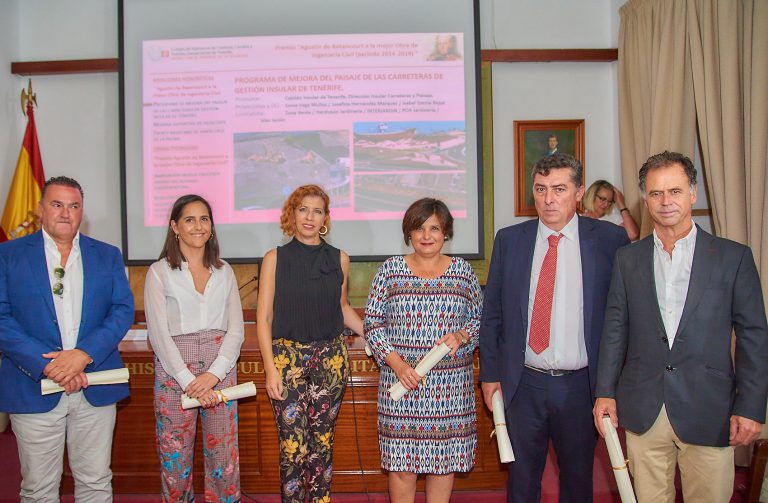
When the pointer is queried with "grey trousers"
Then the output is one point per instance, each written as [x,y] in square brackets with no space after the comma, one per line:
[87,431]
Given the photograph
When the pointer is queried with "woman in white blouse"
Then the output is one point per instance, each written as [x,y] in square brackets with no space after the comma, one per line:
[195,323]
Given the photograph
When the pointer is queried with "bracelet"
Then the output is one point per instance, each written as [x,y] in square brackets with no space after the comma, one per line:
[623,209]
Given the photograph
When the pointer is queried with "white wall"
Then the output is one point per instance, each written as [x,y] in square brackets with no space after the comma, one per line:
[539,91]
[78,121]
[78,117]
[548,24]
[533,91]
[11,119]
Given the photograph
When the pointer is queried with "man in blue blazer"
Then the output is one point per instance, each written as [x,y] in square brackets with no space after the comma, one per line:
[667,372]
[65,304]
[540,332]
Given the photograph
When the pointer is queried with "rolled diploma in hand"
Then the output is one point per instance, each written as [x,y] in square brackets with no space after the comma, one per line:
[500,424]
[422,368]
[618,462]
[114,376]
[225,395]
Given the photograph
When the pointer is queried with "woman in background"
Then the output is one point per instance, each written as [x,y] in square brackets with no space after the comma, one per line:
[416,302]
[301,313]
[195,324]
[599,201]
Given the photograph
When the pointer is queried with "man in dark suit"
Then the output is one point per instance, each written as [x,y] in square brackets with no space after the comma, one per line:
[540,331]
[65,304]
[665,369]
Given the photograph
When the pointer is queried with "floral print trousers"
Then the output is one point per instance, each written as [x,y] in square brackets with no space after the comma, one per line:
[176,428]
[315,376]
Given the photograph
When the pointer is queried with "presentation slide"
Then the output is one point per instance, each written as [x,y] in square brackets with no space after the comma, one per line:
[375,102]
[377,121]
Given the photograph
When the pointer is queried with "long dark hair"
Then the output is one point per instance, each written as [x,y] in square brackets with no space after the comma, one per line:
[171,250]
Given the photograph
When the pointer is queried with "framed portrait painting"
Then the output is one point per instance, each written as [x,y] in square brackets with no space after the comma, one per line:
[537,139]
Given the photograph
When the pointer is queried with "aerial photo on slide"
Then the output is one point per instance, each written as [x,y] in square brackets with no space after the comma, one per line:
[268,166]
[398,162]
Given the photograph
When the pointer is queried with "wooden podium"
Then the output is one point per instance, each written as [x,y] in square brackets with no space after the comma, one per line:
[135,464]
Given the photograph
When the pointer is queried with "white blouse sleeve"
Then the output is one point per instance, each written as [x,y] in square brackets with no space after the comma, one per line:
[229,351]
[155,309]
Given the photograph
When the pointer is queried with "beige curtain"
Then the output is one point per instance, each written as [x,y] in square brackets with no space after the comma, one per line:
[656,108]
[689,63]
[729,56]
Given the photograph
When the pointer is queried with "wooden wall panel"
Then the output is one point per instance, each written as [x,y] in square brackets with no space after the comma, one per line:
[244,273]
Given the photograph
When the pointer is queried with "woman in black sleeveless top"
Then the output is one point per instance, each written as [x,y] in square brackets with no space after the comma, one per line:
[302,310]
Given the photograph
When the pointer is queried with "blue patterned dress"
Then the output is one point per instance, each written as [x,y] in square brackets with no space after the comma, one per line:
[432,429]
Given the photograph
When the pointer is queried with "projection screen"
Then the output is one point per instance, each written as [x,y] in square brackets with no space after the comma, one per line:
[241,102]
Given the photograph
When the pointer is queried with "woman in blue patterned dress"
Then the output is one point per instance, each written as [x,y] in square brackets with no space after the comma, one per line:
[417,301]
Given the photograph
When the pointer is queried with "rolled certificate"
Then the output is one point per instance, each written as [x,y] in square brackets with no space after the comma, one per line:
[500,424]
[618,462]
[368,350]
[114,376]
[225,395]
[422,368]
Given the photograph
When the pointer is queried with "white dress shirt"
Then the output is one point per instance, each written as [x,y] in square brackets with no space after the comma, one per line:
[68,305]
[174,307]
[567,349]
[672,276]
[614,216]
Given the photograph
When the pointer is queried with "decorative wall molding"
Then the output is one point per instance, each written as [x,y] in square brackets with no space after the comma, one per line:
[30,68]
[549,55]
[63,67]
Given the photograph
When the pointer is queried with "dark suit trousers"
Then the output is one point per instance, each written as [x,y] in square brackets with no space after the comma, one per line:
[558,408]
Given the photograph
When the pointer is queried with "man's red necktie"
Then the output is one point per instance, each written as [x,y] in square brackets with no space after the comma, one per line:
[542,303]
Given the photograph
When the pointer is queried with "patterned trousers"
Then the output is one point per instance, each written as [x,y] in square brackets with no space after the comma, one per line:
[176,428]
[315,376]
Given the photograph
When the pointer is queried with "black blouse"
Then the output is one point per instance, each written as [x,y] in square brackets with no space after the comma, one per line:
[308,282]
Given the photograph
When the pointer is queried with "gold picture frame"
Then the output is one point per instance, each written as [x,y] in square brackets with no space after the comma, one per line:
[533,140]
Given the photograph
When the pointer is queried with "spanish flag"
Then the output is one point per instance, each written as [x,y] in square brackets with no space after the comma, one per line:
[19,217]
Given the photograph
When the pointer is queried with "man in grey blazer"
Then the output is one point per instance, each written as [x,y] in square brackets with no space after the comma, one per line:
[665,370]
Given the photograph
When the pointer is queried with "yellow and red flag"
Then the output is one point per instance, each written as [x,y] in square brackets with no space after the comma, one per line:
[19,217]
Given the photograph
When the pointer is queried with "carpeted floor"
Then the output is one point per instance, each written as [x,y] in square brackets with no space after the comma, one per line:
[605,491]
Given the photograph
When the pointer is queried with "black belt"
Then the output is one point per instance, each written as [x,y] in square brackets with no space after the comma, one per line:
[552,372]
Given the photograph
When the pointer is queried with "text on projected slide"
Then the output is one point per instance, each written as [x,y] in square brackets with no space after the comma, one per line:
[377,120]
